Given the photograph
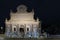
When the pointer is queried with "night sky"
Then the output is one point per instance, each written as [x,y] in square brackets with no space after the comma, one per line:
[48,11]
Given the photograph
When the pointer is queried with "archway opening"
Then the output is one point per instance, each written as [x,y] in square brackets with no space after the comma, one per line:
[21,30]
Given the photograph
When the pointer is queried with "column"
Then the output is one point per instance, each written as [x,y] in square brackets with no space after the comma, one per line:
[35,31]
[17,27]
[25,31]
[8,30]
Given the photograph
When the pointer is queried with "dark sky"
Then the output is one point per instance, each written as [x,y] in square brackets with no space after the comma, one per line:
[48,11]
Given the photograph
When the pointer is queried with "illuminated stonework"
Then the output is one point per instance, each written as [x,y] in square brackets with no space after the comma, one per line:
[22,24]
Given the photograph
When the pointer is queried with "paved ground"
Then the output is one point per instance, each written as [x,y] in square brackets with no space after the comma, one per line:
[33,39]
[52,37]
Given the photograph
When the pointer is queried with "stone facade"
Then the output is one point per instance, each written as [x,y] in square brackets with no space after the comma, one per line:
[22,24]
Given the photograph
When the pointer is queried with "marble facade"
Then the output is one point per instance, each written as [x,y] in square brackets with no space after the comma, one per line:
[22,24]
[25,31]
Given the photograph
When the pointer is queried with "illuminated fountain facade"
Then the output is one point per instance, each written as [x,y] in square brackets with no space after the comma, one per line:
[22,24]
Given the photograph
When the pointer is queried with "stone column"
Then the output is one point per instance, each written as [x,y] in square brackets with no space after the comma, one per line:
[8,30]
[18,30]
[35,31]
[25,31]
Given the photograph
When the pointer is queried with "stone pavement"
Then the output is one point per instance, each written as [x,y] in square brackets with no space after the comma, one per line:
[54,36]
[51,37]
[33,39]
[1,38]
